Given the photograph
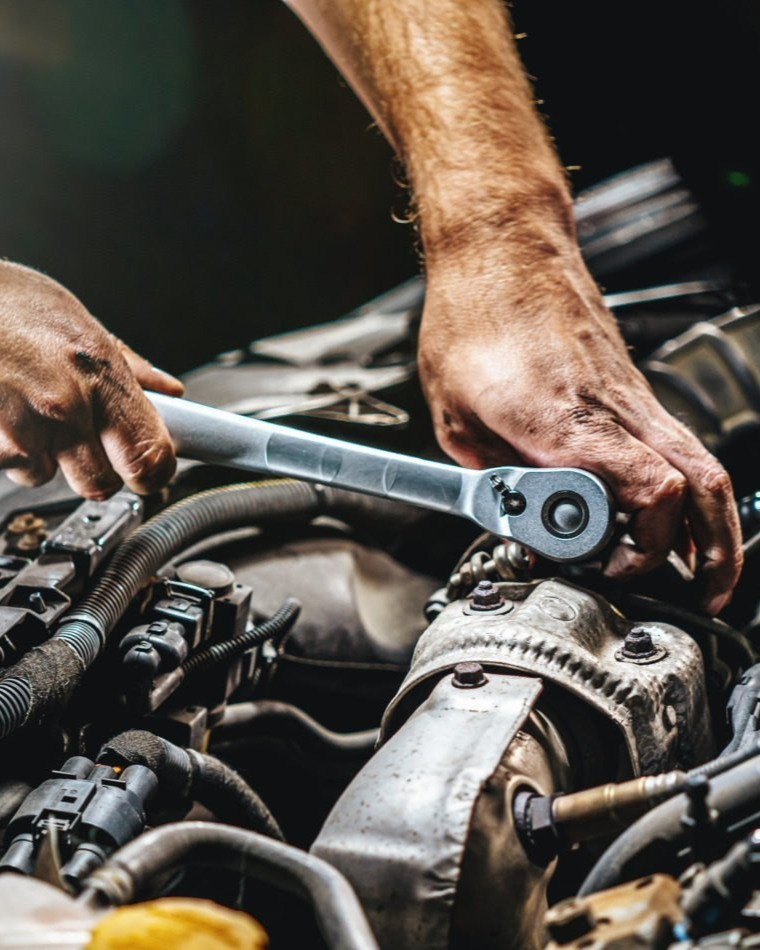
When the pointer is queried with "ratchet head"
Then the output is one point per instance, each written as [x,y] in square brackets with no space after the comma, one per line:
[564,514]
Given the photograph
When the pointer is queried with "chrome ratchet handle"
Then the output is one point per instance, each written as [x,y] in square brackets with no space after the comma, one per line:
[564,514]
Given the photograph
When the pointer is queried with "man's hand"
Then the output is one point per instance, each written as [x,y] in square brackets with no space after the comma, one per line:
[538,374]
[70,395]
[518,355]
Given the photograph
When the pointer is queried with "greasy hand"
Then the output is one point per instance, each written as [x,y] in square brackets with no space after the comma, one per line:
[527,364]
[70,395]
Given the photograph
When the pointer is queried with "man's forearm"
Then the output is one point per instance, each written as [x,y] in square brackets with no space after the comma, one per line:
[445,83]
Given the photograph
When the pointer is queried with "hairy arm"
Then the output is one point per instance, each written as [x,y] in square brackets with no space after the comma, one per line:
[518,355]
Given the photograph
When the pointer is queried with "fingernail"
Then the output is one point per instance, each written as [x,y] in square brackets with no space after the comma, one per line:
[714,605]
[171,380]
[162,372]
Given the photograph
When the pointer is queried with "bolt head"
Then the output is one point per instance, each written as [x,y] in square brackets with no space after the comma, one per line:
[486,596]
[638,643]
[469,676]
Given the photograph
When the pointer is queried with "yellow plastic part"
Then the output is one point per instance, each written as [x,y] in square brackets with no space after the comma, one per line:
[174,923]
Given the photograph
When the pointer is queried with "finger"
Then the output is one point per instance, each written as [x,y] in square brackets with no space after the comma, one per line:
[714,522]
[654,528]
[473,445]
[24,465]
[712,511]
[148,376]
[644,484]
[135,438]
[87,469]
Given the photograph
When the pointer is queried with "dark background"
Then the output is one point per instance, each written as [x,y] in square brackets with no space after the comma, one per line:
[199,175]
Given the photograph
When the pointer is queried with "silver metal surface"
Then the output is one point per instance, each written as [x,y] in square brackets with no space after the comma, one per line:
[571,638]
[401,830]
[223,438]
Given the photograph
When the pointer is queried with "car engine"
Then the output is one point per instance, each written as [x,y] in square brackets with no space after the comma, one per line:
[260,712]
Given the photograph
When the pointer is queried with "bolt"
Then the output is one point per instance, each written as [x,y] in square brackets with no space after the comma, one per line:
[569,921]
[25,522]
[25,533]
[638,644]
[486,596]
[469,676]
[37,602]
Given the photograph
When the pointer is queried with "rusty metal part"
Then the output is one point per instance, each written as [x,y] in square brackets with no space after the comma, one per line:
[640,914]
[571,637]
[469,676]
[639,647]
[598,811]
[25,533]
[486,597]
[547,825]
[422,832]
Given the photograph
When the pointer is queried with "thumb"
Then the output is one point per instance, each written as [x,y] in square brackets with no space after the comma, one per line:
[148,376]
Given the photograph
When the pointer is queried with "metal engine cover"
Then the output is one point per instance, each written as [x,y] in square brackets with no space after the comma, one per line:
[428,821]
[574,638]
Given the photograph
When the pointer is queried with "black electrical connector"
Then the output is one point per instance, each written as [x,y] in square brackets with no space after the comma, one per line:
[94,810]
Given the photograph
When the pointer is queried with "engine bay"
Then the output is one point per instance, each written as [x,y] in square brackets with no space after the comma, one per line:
[359,724]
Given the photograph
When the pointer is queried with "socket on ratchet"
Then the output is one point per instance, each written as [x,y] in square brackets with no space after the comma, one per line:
[564,514]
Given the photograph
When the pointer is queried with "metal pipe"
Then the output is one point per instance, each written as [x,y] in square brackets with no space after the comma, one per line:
[662,841]
[128,873]
[268,717]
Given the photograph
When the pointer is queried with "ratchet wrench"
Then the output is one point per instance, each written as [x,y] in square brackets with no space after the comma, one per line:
[564,514]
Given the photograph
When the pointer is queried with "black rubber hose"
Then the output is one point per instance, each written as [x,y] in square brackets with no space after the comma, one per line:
[268,717]
[42,682]
[130,872]
[229,796]
[220,653]
[202,778]
[12,794]
[660,840]
[727,760]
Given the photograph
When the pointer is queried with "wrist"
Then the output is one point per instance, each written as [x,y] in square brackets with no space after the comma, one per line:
[528,223]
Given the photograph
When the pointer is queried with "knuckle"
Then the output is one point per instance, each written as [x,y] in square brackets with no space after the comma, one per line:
[56,408]
[727,558]
[671,487]
[650,483]
[149,463]
[716,481]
